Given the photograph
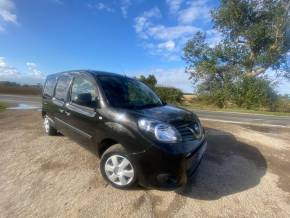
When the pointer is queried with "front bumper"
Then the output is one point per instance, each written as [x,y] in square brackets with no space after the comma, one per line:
[163,170]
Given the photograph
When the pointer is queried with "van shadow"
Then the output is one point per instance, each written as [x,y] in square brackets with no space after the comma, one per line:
[229,166]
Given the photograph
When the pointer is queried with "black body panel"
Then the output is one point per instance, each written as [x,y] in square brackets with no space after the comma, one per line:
[163,165]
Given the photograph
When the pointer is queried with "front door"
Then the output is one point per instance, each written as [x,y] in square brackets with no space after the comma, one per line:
[81,109]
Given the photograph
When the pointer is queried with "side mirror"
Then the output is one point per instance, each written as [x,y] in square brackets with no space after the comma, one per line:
[84,99]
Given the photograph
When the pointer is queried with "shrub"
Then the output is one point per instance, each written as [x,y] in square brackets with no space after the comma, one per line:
[255,93]
[169,94]
[244,92]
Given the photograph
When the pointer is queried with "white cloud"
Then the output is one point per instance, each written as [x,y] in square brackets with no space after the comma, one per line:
[170,77]
[169,45]
[168,41]
[143,22]
[34,72]
[7,11]
[159,39]
[174,5]
[9,73]
[171,33]
[125,4]
[213,37]
[101,7]
[197,10]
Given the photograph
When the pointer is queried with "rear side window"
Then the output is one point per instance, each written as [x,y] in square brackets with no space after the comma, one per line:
[62,88]
[49,87]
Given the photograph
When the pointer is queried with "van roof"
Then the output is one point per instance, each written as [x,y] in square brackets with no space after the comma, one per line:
[93,72]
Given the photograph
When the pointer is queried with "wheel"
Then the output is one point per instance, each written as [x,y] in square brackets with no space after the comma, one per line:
[49,130]
[117,168]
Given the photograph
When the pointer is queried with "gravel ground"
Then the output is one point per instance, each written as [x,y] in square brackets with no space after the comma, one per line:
[245,173]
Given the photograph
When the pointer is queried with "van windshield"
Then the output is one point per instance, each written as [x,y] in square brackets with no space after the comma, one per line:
[125,92]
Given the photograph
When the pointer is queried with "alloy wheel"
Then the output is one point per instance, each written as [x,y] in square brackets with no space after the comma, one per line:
[119,170]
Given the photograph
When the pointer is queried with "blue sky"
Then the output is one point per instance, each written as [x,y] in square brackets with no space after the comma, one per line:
[123,36]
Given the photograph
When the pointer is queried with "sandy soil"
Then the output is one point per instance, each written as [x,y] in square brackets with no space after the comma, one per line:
[245,173]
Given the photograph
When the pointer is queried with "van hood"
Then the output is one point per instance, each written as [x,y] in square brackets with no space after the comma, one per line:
[165,113]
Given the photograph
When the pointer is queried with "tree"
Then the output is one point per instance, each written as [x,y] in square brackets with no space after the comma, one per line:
[256,37]
[149,80]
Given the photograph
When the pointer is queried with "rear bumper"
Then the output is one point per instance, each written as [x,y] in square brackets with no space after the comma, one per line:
[158,169]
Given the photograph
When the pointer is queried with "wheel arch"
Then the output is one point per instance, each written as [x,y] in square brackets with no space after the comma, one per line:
[105,144]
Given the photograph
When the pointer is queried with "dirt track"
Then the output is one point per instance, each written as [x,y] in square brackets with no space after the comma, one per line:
[245,173]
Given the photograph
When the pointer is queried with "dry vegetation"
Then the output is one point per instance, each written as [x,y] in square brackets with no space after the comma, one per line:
[192,101]
[19,90]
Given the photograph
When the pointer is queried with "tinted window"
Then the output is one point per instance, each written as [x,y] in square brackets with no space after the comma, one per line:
[82,86]
[128,93]
[49,87]
[62,88]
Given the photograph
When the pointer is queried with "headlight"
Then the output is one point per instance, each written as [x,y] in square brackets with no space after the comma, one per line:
[161,131]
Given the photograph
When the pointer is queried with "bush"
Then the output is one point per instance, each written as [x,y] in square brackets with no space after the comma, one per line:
[243,92]
[217,92]
[282,105]
[169,94]
[255,93]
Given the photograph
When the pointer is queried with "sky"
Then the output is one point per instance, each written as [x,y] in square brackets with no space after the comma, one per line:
[130,37]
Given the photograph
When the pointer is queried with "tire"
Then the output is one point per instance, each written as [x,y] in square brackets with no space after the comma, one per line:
[49,130]
[117,168]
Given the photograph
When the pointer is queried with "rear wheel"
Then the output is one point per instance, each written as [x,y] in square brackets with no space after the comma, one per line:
[49,130]
[117,167]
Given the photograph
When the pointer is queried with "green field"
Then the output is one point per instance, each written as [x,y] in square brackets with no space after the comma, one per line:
[2,106]
[238,110]
[192,102]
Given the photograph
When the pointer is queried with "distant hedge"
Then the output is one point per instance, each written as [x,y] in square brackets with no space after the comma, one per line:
[169,94]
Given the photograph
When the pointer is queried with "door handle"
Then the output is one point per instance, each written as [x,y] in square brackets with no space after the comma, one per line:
[61,110]
[67,113]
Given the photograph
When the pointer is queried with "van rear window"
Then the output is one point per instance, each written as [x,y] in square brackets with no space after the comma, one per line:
[49,87]
[62,88]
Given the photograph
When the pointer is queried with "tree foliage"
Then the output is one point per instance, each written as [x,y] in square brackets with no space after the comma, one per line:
[150,80]
[167,94]
[255,38]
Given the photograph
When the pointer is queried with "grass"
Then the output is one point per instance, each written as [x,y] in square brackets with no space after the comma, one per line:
[240,110]
[3,106]
[192,102]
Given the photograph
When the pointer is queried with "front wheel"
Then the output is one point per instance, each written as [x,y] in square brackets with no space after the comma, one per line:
[117,168]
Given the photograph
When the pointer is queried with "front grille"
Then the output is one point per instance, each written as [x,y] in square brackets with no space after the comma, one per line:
[187,131]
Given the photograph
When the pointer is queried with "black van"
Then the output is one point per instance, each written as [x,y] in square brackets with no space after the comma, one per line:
[140,139]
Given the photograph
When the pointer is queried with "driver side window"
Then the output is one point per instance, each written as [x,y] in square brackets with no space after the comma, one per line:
[84,92]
